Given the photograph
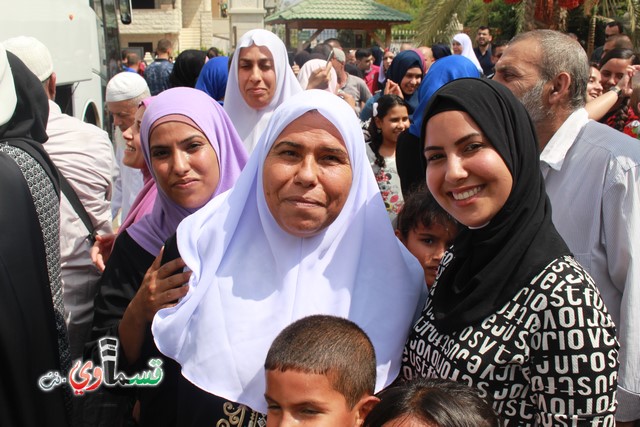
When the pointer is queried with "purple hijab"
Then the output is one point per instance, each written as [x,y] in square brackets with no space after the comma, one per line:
[153,229]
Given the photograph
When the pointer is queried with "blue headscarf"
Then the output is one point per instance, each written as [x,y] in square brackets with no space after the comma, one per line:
[402,63]
[213,77]
[441,72]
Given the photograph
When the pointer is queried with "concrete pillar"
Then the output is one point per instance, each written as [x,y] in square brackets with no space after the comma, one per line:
[244,15]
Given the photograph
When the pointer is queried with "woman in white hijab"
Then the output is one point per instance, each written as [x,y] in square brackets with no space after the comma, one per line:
[259,80]
[462,45]
[304,231]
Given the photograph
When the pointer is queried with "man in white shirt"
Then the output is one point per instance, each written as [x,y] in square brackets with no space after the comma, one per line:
[592,175]
[82,153]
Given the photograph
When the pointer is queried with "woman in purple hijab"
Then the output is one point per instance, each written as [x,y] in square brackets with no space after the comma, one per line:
[193,153]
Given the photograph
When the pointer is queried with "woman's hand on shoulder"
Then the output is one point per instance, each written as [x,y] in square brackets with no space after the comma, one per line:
[161,287]
[101,250]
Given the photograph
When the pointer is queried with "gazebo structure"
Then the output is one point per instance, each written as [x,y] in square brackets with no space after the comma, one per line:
[340,15]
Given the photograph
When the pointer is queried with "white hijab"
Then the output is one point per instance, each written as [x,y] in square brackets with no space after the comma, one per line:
[249,122]
[467,50]
[251,279]
[309,67]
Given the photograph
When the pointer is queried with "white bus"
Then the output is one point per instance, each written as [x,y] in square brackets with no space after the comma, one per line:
[82,36]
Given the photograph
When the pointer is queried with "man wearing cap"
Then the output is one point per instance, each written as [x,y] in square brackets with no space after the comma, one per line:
[82,153]
[125,91]
[350,84]
[32,331]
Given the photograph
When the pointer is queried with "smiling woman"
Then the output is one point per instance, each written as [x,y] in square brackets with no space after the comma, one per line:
[483,168]
[299,234]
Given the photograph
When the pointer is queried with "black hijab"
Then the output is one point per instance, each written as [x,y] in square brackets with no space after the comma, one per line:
[187,68]
[27,127]
[32,109]
[490,265]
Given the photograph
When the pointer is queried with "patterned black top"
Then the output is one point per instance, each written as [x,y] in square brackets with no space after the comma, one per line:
[547,357]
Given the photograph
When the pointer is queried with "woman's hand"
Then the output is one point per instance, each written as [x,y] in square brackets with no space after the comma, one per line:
[160,288]
[625,84]
[392,88]
[320,78]
[101,250]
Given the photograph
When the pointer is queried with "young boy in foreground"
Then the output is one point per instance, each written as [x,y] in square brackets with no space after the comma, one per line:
[320,371]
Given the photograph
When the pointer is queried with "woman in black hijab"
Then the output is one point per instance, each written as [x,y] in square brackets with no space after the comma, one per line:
[511,313]
[187,68]
[33,338]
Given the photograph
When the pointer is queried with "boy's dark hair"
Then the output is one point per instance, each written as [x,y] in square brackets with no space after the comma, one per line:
[421,208]
[363,53]
[330,346]
[435,402]
[385,103]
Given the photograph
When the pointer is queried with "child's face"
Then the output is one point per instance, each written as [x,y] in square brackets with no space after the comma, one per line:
[393,123]
[428,244]
[302,399]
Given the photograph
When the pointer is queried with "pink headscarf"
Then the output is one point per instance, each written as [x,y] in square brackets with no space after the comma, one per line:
[153,229]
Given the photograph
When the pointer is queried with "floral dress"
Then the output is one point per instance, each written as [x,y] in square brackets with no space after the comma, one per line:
[388,182]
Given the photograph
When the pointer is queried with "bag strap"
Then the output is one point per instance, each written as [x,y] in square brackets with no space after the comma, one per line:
[72,196]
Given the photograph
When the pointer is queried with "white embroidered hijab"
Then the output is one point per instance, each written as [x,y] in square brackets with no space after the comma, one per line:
[251,279]
[249,122]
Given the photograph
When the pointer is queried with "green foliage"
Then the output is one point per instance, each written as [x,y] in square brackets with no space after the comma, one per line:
[499,16]
[438,20]
[412,7]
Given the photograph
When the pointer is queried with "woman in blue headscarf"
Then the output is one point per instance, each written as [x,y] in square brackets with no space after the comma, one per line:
[213,78]
[403,79]
[409,159]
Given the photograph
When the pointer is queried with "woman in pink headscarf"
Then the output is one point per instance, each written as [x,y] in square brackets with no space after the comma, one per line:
[193,153]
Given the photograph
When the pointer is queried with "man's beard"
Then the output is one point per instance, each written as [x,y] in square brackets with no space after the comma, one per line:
[532,101]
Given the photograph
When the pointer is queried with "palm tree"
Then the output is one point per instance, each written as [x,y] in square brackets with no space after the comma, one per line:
[439,19]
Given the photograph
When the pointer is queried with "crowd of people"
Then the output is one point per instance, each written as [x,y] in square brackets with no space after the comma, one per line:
[435,236]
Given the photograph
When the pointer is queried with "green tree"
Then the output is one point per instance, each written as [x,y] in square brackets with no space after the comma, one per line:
[439,20]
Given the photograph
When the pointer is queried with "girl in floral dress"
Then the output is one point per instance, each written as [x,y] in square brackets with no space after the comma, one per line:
[390,119]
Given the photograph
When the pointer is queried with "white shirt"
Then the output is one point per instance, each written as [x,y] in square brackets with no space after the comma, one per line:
[592,175]
[83,154]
